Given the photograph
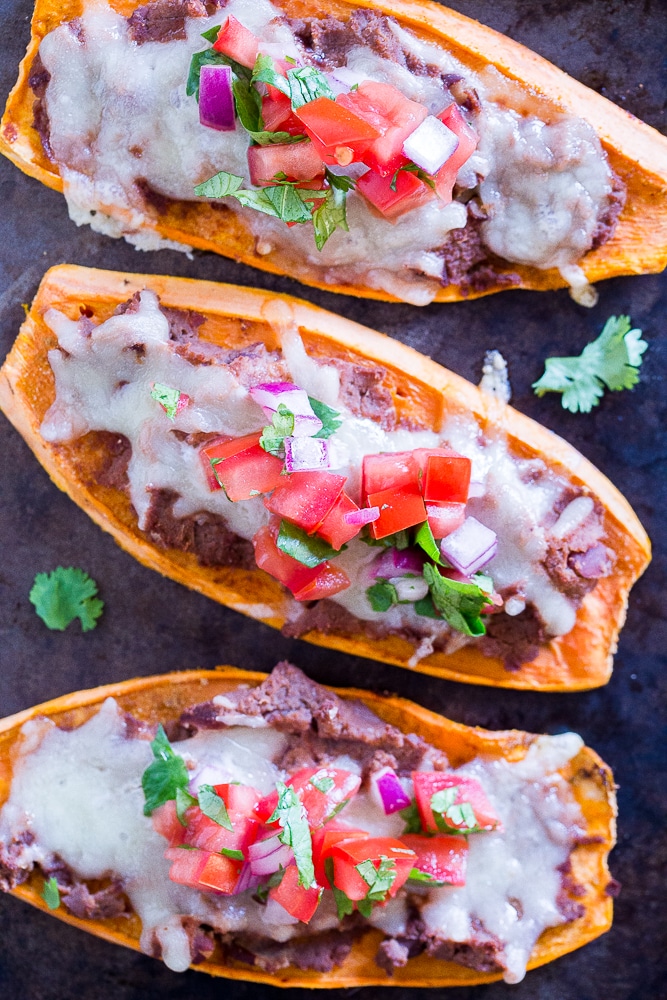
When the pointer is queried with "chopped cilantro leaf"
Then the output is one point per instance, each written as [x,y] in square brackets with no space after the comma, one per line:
[198,60]
[309,550]
[331,214]
[412,168]
[458,603]
[306,84]
[164,776]
[213,806]
[291,816]
[265,71]
[221,185]
[419,876]
[171,400]
[63,595]
[323,784]
[410,816]
[274,434]
[424,538]
[461,816]
[400,540]
[229,852]
[211,35]
[262,891]
[379,881]
[331,419]
[612,360]
[51,893]
[382,595]
[426,608]
[344,905]
[183,802]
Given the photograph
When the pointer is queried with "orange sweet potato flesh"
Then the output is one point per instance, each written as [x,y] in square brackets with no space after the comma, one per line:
[163,698]
[423,394]
[636,152]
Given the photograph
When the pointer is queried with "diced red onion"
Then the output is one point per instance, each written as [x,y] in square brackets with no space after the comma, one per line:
[476,488]
[365,515]
[267,856]
[389,790]
[306,454]
[393,562]
[409,588]
[276,914]
[348,77]
[216,101]
[470,547]
[270,395]
[247,880]
[431,144]
[207,774]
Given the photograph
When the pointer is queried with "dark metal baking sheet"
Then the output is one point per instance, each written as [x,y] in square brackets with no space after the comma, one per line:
[152,625]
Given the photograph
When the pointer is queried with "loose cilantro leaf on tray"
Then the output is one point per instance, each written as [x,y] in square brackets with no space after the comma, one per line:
[613,360]
[307,549]
[458,603]
[51,893]
[291,816]
[165,776]
[63,595]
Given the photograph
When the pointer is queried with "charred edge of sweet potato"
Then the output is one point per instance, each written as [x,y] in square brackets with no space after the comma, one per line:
[577,661]
[637,152]
[164,698]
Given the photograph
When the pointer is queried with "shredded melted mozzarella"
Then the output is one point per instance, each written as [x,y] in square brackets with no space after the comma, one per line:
[102,383]
[119,114]
[79,792]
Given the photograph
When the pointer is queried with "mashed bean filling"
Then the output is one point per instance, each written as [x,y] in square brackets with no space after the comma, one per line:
[550,536]
[75,812]
[112,113]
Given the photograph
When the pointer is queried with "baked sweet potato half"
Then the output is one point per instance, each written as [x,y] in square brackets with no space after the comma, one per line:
[517,78]
[573,775]
[590,545]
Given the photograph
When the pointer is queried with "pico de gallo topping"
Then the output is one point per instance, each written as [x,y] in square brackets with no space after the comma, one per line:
[412,506]
[307,126]
[291,846]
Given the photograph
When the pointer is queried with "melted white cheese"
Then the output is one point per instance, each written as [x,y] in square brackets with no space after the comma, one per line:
[118,112]
[103,384]
[79,792]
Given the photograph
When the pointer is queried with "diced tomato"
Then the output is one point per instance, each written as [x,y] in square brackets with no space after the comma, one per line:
[349,853]
[186,866]
[468,139]
[443,518]
[339,134]
[167,824]
[319,806]
[220,873]
[205,833]
[334,529]
[444,857]
[324,839]
[245,469]
[399,509]
[305,584]
[299,901]
[394,116]
[277,114]
[305,498]
[239,799]
[427,783]
[237,42]
[299,161]
[387,471]
[408,193]
[447,478]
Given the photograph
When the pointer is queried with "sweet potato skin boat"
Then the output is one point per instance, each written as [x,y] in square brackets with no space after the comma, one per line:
[165,697]
[637,152]
[422,391]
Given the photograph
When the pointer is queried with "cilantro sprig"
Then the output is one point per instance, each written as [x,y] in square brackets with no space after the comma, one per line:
[612,360]
[63,595]
[165,777]
[295,832]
